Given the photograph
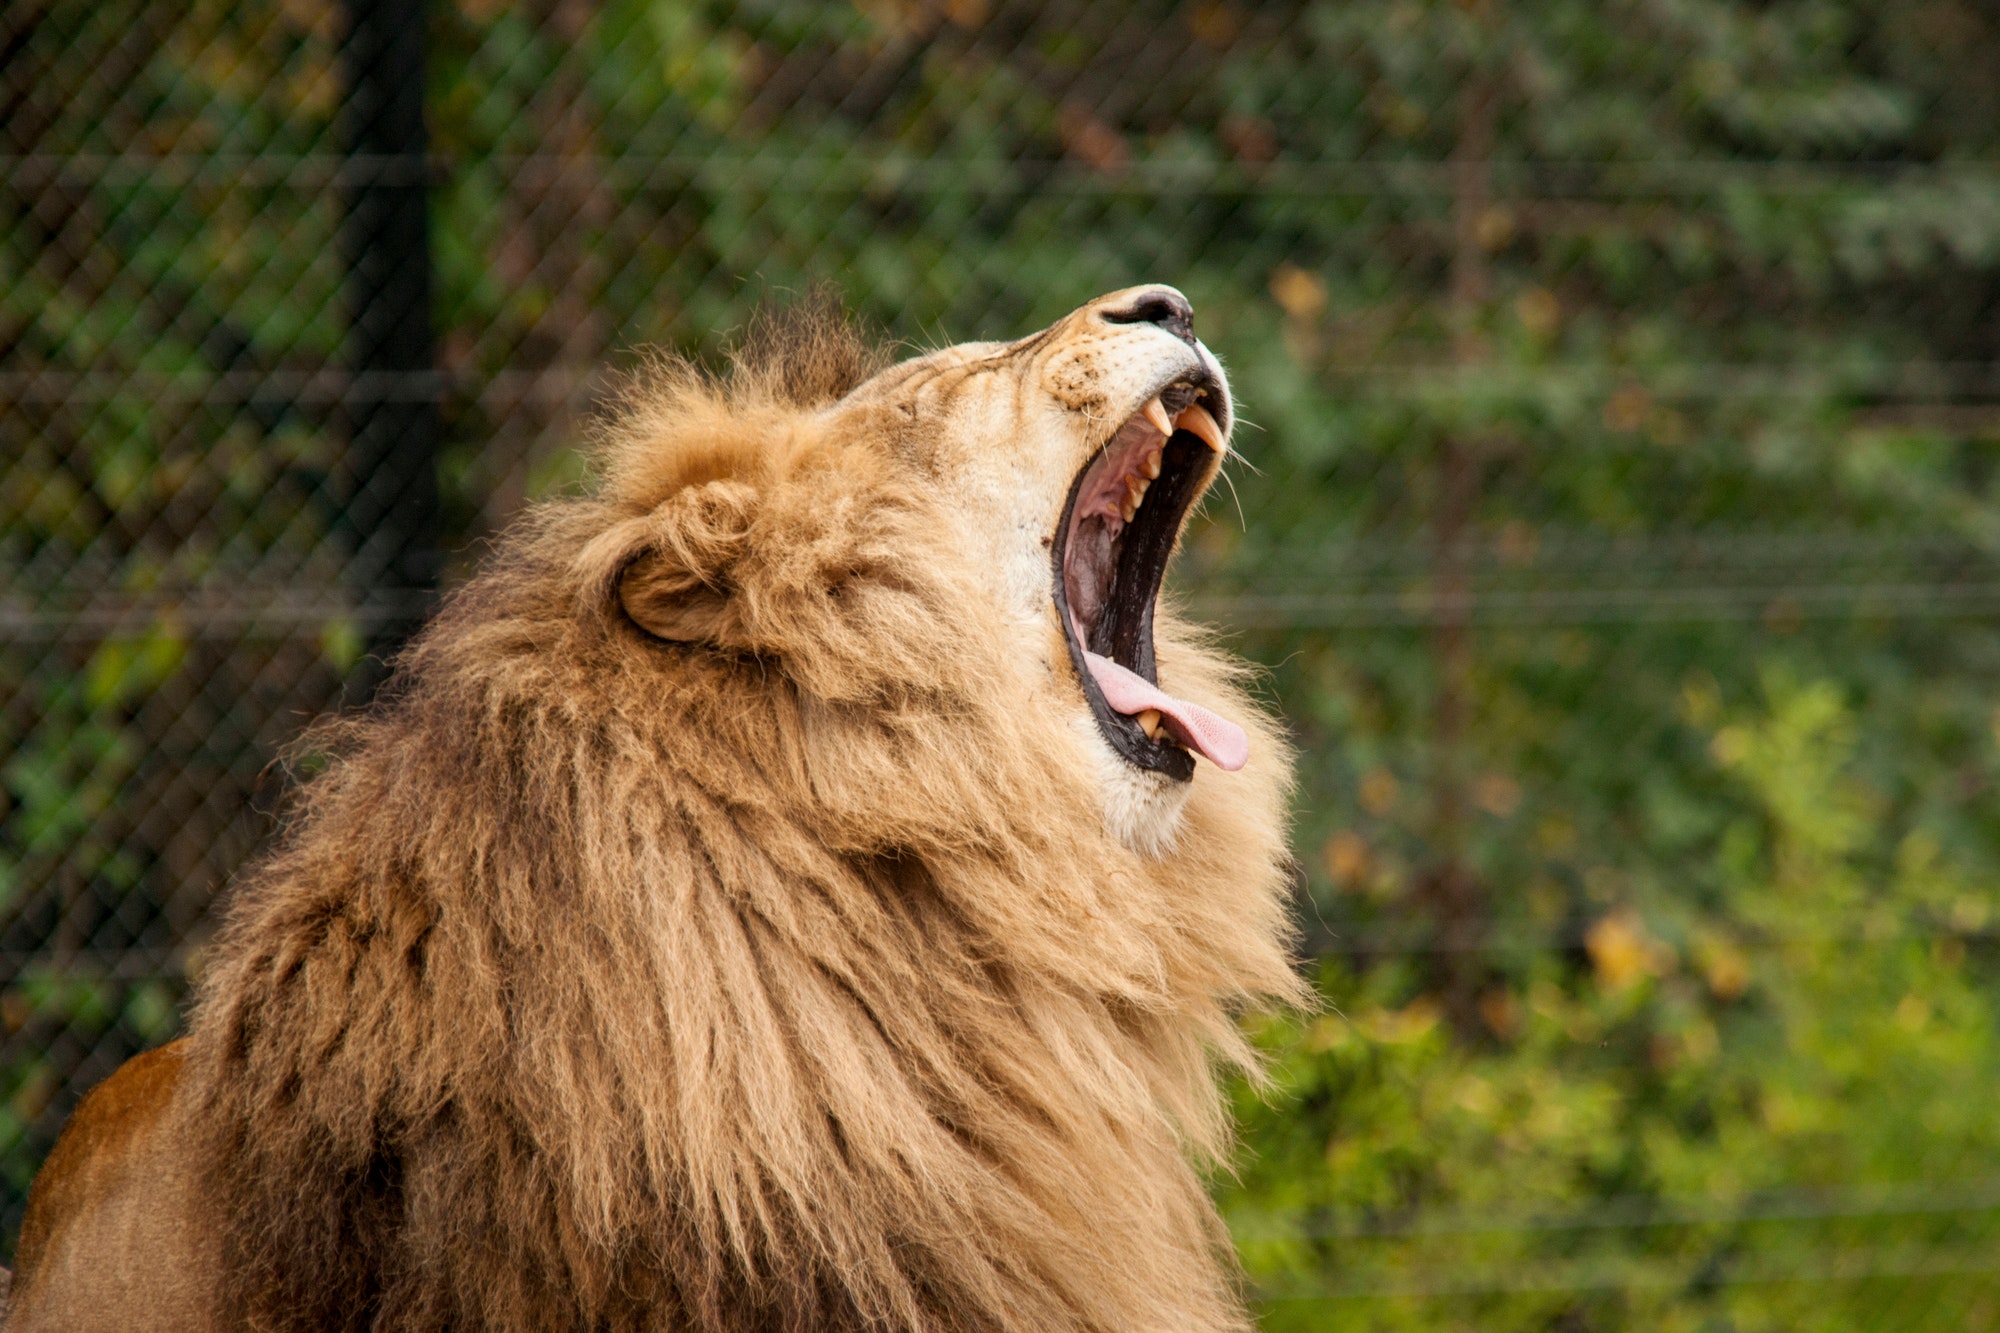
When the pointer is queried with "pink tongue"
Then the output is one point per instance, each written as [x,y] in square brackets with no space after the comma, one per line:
[1221,741]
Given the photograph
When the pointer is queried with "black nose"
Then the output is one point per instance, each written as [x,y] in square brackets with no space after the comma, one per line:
[1162,306]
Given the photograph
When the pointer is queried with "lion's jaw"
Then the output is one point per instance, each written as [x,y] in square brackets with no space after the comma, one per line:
[1071,460]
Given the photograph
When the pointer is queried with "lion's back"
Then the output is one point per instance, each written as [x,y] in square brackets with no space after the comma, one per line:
[112,1238]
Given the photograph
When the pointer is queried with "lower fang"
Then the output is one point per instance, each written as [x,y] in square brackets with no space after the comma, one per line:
[1149,722]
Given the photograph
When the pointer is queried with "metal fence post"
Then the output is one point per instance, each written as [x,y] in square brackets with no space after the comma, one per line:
[389,497]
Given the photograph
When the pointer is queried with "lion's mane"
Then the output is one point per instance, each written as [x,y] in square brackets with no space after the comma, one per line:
[784,980]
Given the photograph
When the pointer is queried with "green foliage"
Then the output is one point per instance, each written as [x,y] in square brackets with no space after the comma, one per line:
[1760,1114]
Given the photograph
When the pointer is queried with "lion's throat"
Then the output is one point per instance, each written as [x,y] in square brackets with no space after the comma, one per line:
[1212,736]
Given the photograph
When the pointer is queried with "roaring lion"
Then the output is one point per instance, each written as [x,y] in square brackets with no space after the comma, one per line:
[807,884]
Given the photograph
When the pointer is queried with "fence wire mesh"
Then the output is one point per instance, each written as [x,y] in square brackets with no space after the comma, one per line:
[1621,531]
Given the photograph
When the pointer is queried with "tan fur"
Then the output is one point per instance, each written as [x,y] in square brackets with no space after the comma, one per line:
[785,967]
[106,1245]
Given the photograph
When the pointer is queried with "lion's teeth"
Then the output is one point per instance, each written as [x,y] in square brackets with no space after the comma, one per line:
[1150,465]
[1195,419]
[1135,495]
[1149,722]
[1130,507]
[1155,411]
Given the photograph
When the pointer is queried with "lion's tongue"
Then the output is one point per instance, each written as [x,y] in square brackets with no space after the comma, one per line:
[1218,739]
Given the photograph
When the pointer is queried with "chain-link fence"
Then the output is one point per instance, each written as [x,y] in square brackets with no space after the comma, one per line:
[1622,532]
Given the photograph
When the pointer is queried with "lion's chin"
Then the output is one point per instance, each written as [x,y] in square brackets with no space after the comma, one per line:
[1142,808]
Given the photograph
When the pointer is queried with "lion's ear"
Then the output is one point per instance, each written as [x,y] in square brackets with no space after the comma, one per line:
[669,604]
[673,577]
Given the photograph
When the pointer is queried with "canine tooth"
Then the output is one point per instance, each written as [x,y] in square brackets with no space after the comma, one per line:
[1150,465]
[1149,722]
[1155,411]
[1195,419]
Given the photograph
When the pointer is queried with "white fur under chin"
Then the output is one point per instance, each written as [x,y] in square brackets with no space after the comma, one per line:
[1141,808]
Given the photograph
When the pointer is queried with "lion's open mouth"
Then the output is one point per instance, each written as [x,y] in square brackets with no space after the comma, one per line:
[1124,513]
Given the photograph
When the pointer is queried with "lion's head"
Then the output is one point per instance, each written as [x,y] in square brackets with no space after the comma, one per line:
[1059,469]
[780,889]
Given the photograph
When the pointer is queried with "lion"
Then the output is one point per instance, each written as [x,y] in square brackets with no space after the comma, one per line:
[809,882]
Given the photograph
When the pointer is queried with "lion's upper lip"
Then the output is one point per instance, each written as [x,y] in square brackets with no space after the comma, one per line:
[1124,515]
[1131,460]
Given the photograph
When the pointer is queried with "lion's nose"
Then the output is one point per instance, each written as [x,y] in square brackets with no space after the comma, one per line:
[1153,305]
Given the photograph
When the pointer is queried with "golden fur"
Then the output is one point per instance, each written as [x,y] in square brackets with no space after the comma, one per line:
[780,968]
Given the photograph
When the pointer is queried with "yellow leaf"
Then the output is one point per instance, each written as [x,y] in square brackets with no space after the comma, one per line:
[1623,952]
[1300,294]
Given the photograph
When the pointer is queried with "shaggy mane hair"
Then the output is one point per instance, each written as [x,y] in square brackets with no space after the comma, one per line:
[787,979]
